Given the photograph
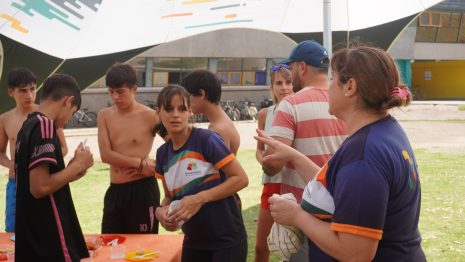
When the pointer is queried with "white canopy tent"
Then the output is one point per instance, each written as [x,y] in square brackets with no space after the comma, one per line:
[84,37]
[80,28]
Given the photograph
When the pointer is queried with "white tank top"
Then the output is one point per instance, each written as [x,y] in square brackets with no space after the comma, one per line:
[268,121]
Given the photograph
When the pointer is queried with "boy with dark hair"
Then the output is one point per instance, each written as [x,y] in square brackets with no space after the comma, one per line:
[205,90]
[47,225]
[119,75]
[203,80]
[125,137]
[21,87]
[19,77]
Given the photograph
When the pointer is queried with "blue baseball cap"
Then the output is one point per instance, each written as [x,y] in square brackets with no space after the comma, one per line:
[310,52]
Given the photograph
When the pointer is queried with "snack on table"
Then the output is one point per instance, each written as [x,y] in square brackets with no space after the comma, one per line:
[4,250]
[93,243]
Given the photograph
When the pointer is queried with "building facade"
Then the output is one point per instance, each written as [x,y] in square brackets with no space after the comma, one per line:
[430,54]
[241,58]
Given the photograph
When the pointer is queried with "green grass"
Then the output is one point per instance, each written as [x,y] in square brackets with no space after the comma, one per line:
[442,220]
[461,108]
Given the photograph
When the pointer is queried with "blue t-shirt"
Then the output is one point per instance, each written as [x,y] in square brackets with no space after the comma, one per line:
[193,168]
[371,188]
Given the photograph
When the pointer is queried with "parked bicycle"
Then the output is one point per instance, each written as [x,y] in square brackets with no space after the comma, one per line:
[82,118]
[248,110]
[230,108]
[266,102]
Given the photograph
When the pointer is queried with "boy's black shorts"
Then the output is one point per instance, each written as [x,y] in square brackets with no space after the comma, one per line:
[129,208]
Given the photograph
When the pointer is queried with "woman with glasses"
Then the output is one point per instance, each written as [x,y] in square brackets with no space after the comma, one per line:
[364,203]
[281,86]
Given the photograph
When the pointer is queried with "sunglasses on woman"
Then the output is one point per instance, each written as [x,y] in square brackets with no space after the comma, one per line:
[277,67]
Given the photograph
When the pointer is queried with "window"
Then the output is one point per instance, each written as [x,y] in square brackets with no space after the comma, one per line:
[242,71]
[429,18]
[139,65]
[235,78]
[166,64]
[229,64]
[160,78]
[450,27]
[426,34]
[192,63]
[248,78]
[230,78]
[260,78]
[175,68]
[441,27]
[253,64]
[224,77]
[228,70]
[174,77]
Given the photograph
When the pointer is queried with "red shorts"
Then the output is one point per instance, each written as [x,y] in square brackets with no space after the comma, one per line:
[268,190]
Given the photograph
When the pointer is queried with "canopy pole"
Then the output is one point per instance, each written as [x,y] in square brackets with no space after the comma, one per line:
[327,36]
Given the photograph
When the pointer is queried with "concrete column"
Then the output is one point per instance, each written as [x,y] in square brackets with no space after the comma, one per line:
[405,70]
[148,71]
[408,74]
[269,63]
[213,65]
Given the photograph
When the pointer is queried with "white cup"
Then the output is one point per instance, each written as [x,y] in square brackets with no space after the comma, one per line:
[117,251]
[172,206]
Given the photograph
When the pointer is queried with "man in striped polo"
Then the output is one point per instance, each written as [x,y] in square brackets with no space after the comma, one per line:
[302,120]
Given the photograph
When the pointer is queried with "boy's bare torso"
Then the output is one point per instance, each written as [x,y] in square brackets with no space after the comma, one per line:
[12,122]
[130,134]
[227,130]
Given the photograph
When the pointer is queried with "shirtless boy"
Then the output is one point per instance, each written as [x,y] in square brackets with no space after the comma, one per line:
[22,88]
[205,90]
[125,137]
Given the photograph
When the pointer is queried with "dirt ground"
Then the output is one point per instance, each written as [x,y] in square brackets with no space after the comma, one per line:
[430,126]
[427,126]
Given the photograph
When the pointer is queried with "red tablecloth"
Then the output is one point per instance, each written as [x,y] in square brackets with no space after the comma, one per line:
[170,246]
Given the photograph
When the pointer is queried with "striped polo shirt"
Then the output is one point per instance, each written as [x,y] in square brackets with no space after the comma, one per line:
[304,119]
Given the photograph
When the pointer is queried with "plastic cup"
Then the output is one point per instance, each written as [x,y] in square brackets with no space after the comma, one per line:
[172,206]
[117,251]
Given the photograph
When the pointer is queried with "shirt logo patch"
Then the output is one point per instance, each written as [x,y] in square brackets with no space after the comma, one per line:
[43,149]
[192,169]
[412,179]
[191,166]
